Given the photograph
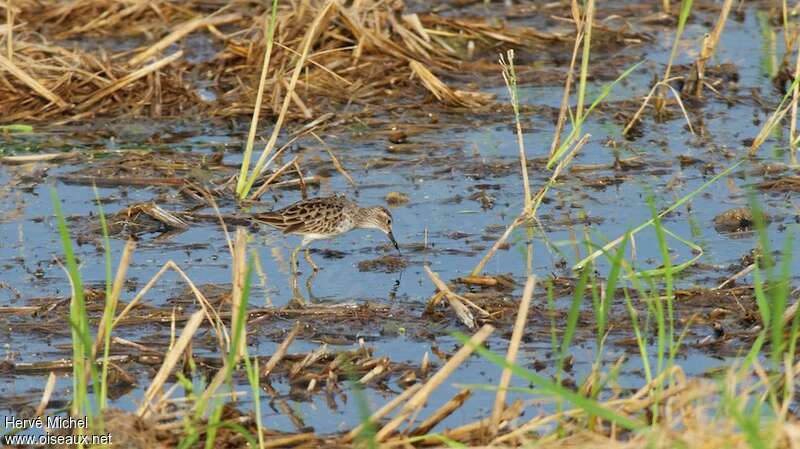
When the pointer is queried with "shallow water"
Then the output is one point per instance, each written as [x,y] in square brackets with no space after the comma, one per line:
[451,164]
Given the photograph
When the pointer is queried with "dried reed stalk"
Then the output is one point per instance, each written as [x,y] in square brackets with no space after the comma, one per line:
[336,164]
[710,46]
[586,23]
[510,79]
[511,355]
[444,93]
[468,432]
[769,125]
[266,185]
[562,113]
[381,412]
[170,360]
[373,373]
[793,138]
[158,213]
[36,86]
[442,412]
[210,313]
[455,301]
[46,394]
[181,31]
[310,37]
[239,273]
[537,199]
[658,87]
[655,89]
[418,400]
[116,290]
[128,79]
[269,32]
[10,34]
[281,351]
[292,440]
[105,19]
[33,158]
[309,360]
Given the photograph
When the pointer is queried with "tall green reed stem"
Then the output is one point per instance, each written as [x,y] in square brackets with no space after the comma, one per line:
[79,325]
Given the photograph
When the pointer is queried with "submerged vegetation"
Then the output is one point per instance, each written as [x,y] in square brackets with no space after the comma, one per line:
[538,328]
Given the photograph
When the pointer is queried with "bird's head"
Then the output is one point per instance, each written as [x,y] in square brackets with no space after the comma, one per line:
[378,218]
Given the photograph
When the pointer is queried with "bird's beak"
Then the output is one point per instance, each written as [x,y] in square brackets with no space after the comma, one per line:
[394,242]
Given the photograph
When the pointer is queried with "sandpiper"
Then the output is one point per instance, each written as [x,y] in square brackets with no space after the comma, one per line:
[327,217]
[324,218]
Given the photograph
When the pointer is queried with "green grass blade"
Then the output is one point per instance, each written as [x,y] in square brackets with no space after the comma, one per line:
[573,135]
[647,223]
[17,128]
[239,322]
[79,321]
[244,168]
[572,320]
[108,313]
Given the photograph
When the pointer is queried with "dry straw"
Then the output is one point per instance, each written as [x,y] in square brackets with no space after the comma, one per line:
[349,53]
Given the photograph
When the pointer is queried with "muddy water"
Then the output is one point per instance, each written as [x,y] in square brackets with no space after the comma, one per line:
[463,184]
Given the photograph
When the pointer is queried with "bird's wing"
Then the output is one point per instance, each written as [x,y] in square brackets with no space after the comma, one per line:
[317,215]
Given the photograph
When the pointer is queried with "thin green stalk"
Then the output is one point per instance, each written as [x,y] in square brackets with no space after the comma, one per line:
[686,8]
[551,309]
[768,45]
[190,432]
[598,304]
[641,340]
[108,312]
[510,78]
[572,321]
[306,47]
[574,132]
[794,334]
[697,250]
[669,209]
[764,308]
[251,135]
[774,298]
[255,387]
[449,442]
[771,124]
[666,337]
[781,287]
[603,305]
[239,323]
[368,428]
[588,21]
[79,324]
[16,128]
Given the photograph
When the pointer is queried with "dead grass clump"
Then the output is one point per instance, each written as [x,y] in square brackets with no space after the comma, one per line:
[364,53]
[385,264]
[736,220]
[132,431]
[781,185]
[396,199]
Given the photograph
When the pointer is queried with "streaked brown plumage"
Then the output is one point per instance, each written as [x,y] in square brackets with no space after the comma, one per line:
[327,217]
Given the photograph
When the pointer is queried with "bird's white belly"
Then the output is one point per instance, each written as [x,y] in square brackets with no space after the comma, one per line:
[308,238]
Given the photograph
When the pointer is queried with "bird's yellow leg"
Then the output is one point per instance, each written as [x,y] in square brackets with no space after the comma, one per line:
[293,260]
[309,284]
[310,261]
[297,297]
